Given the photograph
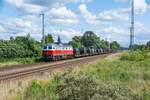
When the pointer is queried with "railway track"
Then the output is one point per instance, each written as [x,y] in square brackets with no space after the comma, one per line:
[27,70]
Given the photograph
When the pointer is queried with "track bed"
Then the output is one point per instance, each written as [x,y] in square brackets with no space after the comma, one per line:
[27,70]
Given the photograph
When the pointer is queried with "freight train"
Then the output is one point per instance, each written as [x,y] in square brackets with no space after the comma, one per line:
[60,51]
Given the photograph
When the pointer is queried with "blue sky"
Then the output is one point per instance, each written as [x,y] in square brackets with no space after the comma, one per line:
[109,19]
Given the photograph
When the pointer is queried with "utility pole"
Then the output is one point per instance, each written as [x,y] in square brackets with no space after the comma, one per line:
[132,25]
[109,42]
[43,30]
[82,30]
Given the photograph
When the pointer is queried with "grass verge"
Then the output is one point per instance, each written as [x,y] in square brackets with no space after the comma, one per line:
[117,79]
[18,61]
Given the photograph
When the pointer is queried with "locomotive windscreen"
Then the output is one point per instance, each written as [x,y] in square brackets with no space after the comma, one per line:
[45,47]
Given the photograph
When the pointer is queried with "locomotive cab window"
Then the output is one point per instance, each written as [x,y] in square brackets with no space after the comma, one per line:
[45,47]
[49,47]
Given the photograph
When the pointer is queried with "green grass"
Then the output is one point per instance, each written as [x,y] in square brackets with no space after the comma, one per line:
[135,55]
[3,64]
[18,61]
[107,76]
[121,71]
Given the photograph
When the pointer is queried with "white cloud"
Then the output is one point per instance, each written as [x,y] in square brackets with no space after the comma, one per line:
[31,23]
[117,14]
[142,33]
[107,15]
[23,25]
[54,2]
[66,35]
[83,10]
[140,5]
[37,6]
[19,23]
[123,1]
[30,8]
[17,3]
[5,36]
[62,12]
[79,1]
[141,28]
[62,15]
[115,34]
[57,13]
[26,7]
[89,17]
[2,29]
[64,21]
[114,30]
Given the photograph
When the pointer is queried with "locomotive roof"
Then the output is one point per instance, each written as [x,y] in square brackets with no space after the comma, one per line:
[59,44]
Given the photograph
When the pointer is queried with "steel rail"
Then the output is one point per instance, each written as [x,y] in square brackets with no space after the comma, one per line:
[23,72]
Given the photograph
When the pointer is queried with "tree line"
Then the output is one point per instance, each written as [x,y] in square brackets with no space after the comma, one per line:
[141,47]
[26,46]
[91,40]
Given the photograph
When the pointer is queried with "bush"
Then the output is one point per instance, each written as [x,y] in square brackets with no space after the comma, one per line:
[26,60]
[42,91]
[135,56]
[86,88]
[80,87]
[35,91]
[21,47]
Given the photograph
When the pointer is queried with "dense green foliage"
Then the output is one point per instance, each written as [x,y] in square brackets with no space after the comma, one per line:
[49,39]
[111,79]
[83,87]
[78,87]
[142,47]
[135,55]
[91,40]
[20,47]
[76,42]
[35,91]
[39,91]
[114,45]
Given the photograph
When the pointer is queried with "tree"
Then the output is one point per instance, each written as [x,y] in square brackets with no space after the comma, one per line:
[90,40]
[148,45]
[104,44]
[76,42]
[114,45]
[11,38]
[140,47]
[49,39]
[135,47]
[31,46]
[20,47]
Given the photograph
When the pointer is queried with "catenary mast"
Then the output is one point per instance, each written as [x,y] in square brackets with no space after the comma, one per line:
[132,25]
[43,29]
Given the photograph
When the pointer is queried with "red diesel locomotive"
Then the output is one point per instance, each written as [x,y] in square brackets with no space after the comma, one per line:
[57,51]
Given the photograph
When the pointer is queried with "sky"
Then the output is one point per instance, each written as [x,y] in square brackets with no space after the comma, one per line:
[109,19]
